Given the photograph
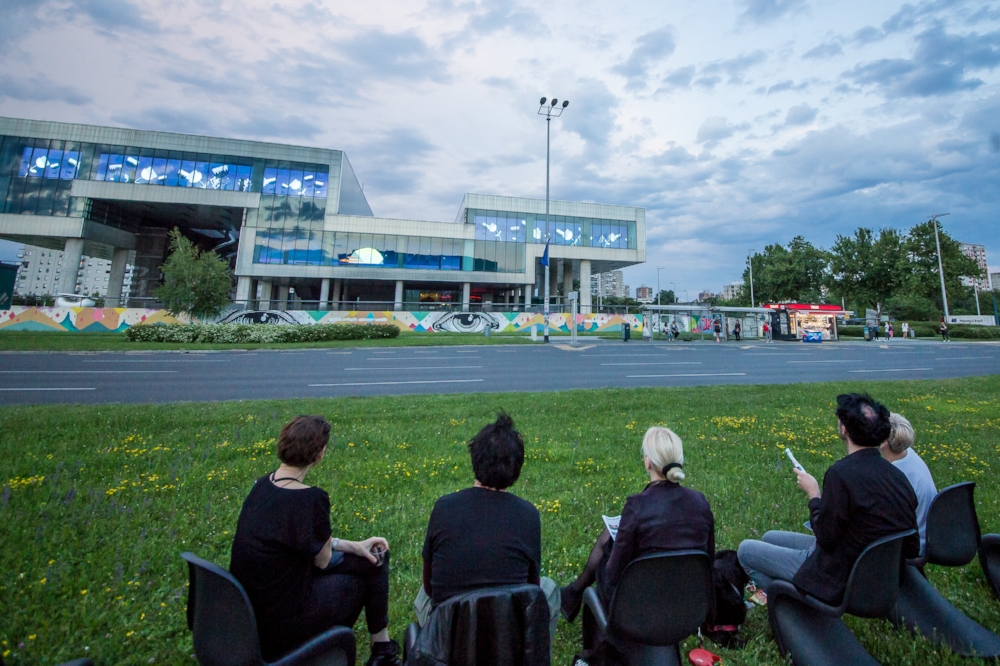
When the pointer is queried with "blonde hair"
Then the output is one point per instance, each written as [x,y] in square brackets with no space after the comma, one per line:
[902,436]
[662,446]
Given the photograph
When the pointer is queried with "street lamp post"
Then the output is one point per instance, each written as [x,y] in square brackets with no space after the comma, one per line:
[937,241]
[673,288]
[550,111]
[658,269]
[750,261]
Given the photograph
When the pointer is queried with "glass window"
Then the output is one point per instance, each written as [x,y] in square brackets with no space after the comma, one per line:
[70,165]
[10,151]
[60,204]
[270,180]
[295,183]
[159,173]
[340,248]
[321,184]
[308,183]
[115,167]
[170,173]
[46,194]
[244,178]
[144,170]
[186,173]
[55,159]
[216,175]
[102,166]
[29,200]
[25,162]
[200,176]
[129,166]
[36,168]
[281,186]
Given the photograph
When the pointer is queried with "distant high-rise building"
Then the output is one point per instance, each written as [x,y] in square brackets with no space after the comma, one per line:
[978,254]
[705,295]
[611,283]
[732,290]
[644,294]
[41,269]
[994,280]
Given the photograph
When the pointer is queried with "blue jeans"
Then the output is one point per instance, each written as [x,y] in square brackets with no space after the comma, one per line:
[778,555]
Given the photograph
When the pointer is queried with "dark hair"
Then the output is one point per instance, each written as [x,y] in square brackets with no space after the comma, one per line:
[302,439]
[866,421]
[497,453]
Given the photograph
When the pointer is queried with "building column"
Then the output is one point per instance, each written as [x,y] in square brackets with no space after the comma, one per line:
[398,301]
[553,283]
[243,289]
[585,302]
[266,292]
[254,288]
[466,295]
[282,297]
[116,279]
[72,253]
[336,293]
[526,295]
[567,279]
[324,294]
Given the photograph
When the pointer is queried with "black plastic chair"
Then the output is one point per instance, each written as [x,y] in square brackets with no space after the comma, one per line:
[989,560]
[221,618]
[495,626]
[811,631]
[660,600]
[953,538]
[82,661]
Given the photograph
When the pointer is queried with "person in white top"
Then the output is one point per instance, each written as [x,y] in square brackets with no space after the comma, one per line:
[897,450]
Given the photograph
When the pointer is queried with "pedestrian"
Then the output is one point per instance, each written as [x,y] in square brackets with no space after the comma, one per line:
[943,330]
[906,329]
[737,330]
[890,330]
[674,331]
[717,326]
[875,332]
[767,332]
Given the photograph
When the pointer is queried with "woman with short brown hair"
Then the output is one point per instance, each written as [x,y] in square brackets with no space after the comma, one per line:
[300,579]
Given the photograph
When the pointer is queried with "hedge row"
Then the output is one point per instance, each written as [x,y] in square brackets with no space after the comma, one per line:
[245,333]
[924,330]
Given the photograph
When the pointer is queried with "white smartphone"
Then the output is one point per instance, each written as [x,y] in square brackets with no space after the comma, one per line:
[795,463]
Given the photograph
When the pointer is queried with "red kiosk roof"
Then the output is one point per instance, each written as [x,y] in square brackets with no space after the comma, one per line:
[827,308]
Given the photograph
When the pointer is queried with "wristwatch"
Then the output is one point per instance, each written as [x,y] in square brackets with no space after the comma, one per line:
[335,542]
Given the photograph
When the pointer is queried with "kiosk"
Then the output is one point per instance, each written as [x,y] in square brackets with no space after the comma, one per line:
[791,321]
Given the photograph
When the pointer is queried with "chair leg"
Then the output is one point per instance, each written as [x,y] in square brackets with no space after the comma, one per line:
[811,638]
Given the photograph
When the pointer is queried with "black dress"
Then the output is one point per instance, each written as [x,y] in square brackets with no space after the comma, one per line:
[279,533]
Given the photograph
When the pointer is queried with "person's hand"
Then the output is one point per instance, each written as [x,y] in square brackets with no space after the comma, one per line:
[365,548]
[808,484]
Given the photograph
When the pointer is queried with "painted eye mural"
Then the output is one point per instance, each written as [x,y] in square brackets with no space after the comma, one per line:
[467,322]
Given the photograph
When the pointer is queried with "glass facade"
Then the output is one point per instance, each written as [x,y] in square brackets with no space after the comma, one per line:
[36,176]
[314,247]
[561,229]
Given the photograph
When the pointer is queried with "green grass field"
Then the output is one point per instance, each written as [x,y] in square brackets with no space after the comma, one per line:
[98,502]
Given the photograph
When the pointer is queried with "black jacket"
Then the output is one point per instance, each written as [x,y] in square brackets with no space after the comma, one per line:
[496,626]
[664,516]
[865,498]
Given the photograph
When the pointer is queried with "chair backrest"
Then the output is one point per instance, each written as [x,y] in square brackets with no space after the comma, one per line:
[498,625]
[952,526]
[874,582]
[220,617]
[662,599]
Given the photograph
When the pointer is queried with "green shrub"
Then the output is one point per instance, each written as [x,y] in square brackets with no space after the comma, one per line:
[975,332]
[251,333]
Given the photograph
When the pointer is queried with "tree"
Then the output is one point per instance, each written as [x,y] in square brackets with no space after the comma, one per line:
[194,282]
[793,273]
[864,268]
[919,264]
[667,296]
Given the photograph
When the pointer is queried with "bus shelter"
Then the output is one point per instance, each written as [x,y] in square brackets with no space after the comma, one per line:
[700,318]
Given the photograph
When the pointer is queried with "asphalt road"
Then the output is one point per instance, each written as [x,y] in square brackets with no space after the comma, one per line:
[151,377]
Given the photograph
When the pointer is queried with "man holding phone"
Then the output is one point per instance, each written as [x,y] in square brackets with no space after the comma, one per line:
[864,498]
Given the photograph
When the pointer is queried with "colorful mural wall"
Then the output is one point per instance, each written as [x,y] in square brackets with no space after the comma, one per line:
[90,320]
[103,320]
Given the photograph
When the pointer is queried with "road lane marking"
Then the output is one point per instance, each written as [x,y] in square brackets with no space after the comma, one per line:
[88,372]
[338,352]
[849,360]
[706,374]
[893,370]
[961,358]
[49,389]
[420,367]
[655,363]
[572,348]
[179,360]
[420,381]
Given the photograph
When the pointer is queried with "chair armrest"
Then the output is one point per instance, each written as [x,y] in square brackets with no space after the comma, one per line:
[783,588]
[335,639]
[593,601]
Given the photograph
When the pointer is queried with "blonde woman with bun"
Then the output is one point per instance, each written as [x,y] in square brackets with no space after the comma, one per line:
[665,516]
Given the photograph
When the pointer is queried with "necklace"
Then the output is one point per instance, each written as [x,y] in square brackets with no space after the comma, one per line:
[285,478]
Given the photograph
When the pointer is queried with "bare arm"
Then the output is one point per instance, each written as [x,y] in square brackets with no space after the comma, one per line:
[359,548]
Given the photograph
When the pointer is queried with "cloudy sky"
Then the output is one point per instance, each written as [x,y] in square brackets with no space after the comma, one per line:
[735,123]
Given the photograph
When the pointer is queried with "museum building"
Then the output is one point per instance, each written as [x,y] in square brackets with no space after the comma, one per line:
[293,221]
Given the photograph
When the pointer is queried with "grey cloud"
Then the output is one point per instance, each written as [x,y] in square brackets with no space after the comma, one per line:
[679,78]
[651,48]
[674,156]
[498,15]
[500,82]
[787,85]
[708,82]
[592,114]
[939,66]
[391,162]
[270,123]
[712,74]
[735,68]
[715,129]
[867,35]
[111,17]
[803,114]
[824,50]
[397,55]
[766,11]
[995,142]
[40,88]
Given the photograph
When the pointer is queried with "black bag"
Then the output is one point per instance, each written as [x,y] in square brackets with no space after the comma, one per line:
[729,579]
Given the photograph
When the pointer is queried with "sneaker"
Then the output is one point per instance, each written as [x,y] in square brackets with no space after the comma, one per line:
[384,653]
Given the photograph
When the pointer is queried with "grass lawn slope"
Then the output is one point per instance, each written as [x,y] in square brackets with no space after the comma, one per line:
[98,502]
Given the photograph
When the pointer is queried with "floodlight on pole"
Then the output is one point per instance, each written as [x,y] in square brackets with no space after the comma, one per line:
[550,111]
[658,269]
[937,242]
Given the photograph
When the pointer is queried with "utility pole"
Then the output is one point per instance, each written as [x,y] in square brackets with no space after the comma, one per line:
[658,269]
[550,111]
[937,241]
[750,261]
